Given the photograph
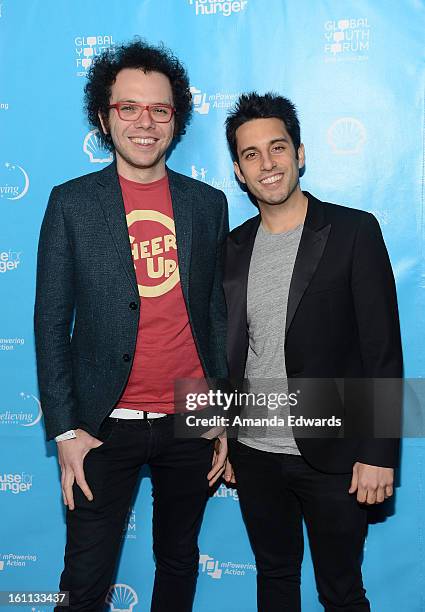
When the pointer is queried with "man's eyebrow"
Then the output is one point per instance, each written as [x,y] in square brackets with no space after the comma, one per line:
[271,142]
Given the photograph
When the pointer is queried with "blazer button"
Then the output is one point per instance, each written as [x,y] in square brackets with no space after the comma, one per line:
[133,305]
[126,357]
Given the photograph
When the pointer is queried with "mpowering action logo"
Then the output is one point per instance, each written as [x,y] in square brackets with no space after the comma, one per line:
[204,102]
[16,560]
[217,569]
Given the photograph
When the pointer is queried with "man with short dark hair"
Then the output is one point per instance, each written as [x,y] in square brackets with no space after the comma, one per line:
[312,313]
[131,258]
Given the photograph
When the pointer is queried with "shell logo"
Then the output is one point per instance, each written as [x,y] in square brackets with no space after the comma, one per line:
[121,598]
[347,136]
[92,146]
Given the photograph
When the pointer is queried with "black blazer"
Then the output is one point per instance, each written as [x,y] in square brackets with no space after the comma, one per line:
[86,275]
[342,322]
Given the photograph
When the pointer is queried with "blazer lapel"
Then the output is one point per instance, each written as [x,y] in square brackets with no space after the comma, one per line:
[312,244]
[182,209]
[238,258]
[111,201]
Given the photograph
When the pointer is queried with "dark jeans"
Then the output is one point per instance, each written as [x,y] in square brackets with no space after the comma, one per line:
[94,529]
[275,492]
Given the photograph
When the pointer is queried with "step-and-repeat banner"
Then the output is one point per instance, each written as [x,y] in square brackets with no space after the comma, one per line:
[354,70]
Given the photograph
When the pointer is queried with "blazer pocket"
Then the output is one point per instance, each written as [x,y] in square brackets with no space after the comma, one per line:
[326,289]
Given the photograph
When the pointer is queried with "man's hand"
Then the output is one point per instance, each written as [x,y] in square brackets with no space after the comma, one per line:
[71,455]
[372,483]
[219,459]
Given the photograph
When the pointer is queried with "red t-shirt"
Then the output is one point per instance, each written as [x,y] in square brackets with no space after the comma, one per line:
[165,349]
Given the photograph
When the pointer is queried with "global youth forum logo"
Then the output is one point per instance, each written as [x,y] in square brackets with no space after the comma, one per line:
[14,182]
[87,47]
[347,39]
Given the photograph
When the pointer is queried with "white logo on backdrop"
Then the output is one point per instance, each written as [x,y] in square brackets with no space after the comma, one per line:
[217,569]
[199,99]
[15,190]
[87,47]
[226,183]
[218,7]
[347,39]
[4,106]
[204,102]
[121,598]
[9,260]
[225,492]
[92,146]
[14,560]
[15,483]
[130,527]
[25,419]
[347,136]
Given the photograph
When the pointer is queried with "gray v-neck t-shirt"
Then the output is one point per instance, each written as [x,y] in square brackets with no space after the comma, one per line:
[270,273]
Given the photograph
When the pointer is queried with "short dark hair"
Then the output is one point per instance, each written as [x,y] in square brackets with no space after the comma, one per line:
[140,55]
[253,106]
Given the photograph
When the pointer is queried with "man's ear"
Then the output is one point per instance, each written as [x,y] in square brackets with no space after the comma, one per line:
[238,172]
[103,123]
[301,156]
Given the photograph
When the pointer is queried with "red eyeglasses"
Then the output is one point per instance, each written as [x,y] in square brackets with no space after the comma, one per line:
[132,111]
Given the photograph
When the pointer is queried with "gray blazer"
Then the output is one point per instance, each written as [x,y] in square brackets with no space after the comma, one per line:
[87,301]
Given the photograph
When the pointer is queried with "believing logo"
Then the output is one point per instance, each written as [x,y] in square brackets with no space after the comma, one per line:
[227,184]
[347,39]
[14,186]
[15,483]
[218,7]
[86,48]
[25,419]
[216,569]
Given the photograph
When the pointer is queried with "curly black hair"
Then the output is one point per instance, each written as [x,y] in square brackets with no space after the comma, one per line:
[149,58]
[269,106]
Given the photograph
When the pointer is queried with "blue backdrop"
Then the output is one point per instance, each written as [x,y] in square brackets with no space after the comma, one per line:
[355,70]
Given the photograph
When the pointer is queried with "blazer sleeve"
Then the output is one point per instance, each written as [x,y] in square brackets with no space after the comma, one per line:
[53,315]
[217,310]
[375,302]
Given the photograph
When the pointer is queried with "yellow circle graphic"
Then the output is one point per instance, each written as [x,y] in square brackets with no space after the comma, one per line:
[154,215]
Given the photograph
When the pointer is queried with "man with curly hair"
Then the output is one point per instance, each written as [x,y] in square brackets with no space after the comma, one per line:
[129,299]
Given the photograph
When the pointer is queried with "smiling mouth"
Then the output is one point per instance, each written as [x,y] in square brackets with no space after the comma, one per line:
[270,180]
[142,141]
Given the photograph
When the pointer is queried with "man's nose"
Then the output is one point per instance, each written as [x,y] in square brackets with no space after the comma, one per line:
[145,120]
[267,162]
